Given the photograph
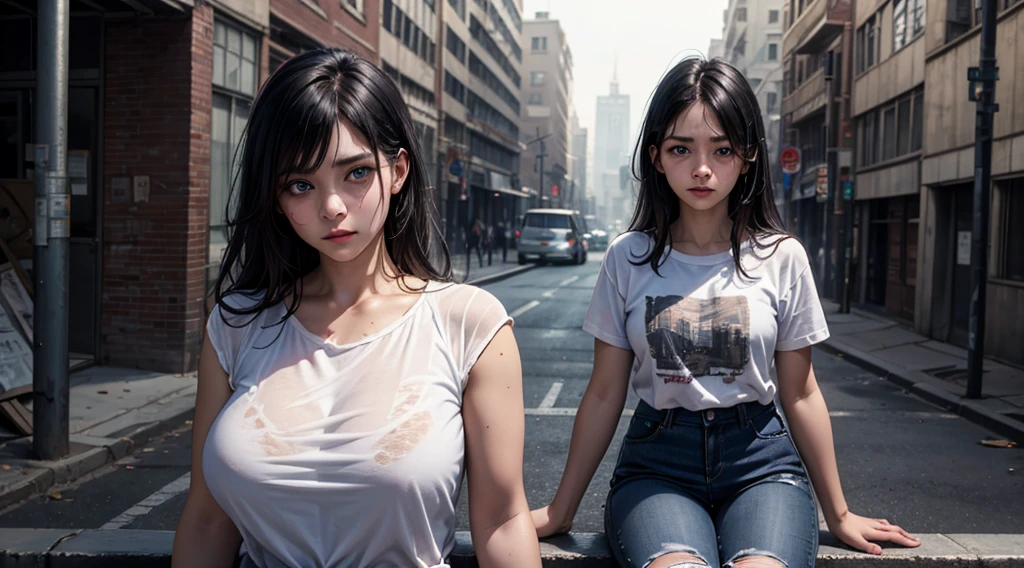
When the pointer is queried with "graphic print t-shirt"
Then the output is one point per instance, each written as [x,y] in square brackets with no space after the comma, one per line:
[703,335]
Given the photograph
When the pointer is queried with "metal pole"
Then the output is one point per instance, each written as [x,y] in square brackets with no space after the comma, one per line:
[51,261]
[828,268]
[982,85]
[540,183]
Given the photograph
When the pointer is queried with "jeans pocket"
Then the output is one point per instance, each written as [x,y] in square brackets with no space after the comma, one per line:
[769,426]
[642,429]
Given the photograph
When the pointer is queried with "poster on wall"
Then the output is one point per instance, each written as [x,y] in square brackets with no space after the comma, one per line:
[963,248]
[15,326]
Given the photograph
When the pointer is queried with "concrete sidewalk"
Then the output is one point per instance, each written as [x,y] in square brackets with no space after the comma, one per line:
[69,548]
[930,369]
[114,410]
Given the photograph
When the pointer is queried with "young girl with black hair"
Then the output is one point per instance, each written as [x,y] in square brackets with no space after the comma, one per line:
[698,302]
[344,383]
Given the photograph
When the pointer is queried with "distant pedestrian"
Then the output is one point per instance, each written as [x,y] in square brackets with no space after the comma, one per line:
[344,382]
[474,242]
[698,303]
[501,240]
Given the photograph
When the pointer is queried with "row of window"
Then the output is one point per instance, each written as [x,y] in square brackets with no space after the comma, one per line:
[402,27]
[484,73]
[460,8]
[480,34]
[891,131]
[454,87]
[539,44]
[506,33]
[485,149]
[409,87]
[455,45]
[478,108]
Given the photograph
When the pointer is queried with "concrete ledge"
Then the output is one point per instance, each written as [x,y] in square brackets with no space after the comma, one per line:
[70,548]
[930,389]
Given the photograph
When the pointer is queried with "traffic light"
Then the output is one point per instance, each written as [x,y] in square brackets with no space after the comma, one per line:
[554,191]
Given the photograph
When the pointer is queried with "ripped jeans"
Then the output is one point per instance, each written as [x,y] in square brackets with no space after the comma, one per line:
[719,484]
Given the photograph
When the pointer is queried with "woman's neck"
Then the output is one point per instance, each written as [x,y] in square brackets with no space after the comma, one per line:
[702,232]
[347,283]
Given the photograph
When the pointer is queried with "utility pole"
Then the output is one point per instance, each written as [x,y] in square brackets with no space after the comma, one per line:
[540,156]
[829,272]
[51,263]
[982,81]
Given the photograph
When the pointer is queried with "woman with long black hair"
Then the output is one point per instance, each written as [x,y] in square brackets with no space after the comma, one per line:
[344,383]
[697,302]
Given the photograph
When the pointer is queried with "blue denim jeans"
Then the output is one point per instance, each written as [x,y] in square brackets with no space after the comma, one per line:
[720,484]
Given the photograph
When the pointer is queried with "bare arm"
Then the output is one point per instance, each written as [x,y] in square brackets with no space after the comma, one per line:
[492,410]
[206,537]
[812,433]
[596,421]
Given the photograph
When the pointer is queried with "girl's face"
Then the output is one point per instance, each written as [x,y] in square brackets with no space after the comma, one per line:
[340,208]
[698,160]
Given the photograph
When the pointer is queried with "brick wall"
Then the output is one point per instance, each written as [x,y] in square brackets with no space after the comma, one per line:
[157,124]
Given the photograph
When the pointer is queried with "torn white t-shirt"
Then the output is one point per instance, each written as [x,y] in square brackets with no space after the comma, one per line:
[703,335]
[347,455]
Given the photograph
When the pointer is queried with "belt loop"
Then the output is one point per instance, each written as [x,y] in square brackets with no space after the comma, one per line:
[667,419]
[741,413]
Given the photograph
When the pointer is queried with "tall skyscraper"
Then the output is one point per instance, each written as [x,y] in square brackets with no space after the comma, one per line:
[611,153]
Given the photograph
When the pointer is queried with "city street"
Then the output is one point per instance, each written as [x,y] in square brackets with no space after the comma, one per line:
[899,457]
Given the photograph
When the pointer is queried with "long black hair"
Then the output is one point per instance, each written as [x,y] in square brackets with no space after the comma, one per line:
[290,127]
[724,91]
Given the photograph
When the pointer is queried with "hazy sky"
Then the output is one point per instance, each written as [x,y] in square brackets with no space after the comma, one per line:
[645,36]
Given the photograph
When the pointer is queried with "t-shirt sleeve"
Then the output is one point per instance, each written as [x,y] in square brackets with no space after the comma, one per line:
[228,336]
[801,319]
[474,317]
[606,316]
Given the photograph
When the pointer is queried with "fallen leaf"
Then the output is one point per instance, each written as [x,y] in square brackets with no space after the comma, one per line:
[54,495]
[998,443]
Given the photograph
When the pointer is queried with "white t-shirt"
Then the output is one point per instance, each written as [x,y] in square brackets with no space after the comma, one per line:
[349,455]
[704,336]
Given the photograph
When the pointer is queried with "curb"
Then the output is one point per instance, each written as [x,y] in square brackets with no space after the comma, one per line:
[45,474]
[126,548]
[492,278]
[930,389]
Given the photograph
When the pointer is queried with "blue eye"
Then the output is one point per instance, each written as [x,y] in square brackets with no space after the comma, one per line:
[679,150]
[360,173]
[724,151]
[299,187]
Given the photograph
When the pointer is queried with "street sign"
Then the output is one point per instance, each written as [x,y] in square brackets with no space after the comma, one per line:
[455,168]
[790,158]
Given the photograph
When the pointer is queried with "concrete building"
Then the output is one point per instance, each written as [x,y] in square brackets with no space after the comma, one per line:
[816,29]
[752,42]
[942,293]
[583,195]
[547,100]
[889,112]
[612,152]
[480,76]
[159,91]
[409,54]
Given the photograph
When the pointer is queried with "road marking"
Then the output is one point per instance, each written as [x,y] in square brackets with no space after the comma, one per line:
[552,396]
[523,309]
[562,411]
[568,281]
[143,507]
[894,413]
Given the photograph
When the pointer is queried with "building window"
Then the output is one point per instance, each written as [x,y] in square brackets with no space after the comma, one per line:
[482,36]
[772,101]
[960,17]
[479,70]
[893,131]
[773,52]
[907,21]
[454,87]
[918,121]
[535,99]
[539,44]
[455,45]
[741,14]
[460,8]
[406,31]
[234,85]
[773,16]
[355,7]
[536,78]
[1013,218]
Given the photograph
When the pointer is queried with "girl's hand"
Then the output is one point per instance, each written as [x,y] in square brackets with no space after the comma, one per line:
[548,523]
[858,532]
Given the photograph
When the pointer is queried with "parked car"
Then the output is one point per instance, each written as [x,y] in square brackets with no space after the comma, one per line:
[552,234]
[598,240]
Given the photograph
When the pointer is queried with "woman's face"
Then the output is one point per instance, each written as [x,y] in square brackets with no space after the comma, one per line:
[698,160]
[341,207]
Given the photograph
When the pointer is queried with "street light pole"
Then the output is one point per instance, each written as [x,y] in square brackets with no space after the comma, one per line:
[540,156]
[982,90]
